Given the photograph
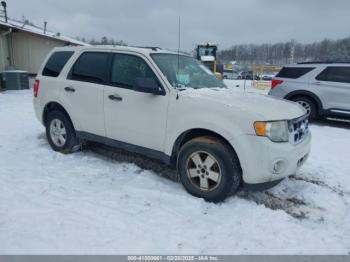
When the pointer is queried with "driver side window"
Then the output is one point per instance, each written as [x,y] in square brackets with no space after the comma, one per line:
[126,68]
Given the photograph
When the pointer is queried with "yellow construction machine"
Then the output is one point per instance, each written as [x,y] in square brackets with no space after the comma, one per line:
[206,54]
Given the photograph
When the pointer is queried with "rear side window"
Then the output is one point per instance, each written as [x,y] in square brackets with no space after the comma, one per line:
[56,63]
[335,74]
[294,72]
[90,67]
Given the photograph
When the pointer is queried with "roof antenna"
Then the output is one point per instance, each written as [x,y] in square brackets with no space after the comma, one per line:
[178,55]
[45,26]
[178,46]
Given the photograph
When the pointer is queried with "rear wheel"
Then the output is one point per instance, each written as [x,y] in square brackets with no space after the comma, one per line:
[60,133]
[209,169]
[308,105]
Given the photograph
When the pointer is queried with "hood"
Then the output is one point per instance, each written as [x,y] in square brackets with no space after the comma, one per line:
[266,107]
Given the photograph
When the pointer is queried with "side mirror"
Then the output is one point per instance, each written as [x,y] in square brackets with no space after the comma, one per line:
[147,85]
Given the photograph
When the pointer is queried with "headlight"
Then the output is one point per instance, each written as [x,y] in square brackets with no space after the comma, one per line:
[276,131]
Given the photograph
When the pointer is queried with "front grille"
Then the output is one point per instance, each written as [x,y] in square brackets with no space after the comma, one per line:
[298,129]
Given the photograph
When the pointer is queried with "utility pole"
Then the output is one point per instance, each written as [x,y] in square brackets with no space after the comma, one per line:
[292,52]
[4,5]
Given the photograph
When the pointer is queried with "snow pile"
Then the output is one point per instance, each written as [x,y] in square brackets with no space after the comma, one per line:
[86,203]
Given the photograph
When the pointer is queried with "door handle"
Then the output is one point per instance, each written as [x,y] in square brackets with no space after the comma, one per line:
[115,98]
[317,83]
[69,89]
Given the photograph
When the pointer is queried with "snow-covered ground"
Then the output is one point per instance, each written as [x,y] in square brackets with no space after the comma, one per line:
[88,203]
[245,86]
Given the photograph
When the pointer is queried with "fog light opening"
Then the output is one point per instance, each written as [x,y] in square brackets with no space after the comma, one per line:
[278,167]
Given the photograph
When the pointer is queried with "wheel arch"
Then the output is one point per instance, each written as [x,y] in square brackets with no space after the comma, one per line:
[194,133]
[308,94]
[54,106]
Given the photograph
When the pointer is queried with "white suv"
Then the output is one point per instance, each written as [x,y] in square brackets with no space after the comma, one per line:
[169,107]
[323,89]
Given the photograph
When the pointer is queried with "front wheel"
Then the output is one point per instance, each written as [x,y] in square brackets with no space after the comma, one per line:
[60,133]
[209,169]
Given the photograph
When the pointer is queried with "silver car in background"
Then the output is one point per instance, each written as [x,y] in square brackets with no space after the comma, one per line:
[323,89]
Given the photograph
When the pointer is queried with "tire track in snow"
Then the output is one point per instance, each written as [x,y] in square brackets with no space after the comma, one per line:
[297,208]
[320,183]
[294,207]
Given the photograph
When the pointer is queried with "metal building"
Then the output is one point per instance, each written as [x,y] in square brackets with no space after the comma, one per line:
[24,46]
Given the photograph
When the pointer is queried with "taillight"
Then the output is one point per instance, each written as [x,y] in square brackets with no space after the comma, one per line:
[36,88]
[275,82]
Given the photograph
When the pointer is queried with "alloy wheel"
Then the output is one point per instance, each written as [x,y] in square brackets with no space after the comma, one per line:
[306,105]
[203,170]
[58,132]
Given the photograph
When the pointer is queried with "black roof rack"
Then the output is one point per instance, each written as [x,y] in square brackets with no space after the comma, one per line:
[323,62]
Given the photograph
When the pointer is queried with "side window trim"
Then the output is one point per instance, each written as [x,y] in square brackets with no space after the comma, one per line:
[109,82]
[106,74]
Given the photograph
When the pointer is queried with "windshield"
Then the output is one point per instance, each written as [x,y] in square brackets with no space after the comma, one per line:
[206,51]
[186,72]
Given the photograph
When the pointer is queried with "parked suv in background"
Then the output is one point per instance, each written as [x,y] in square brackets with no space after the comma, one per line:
[169,107]
[323,89]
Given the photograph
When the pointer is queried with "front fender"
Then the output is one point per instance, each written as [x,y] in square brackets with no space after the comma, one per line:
[188,123]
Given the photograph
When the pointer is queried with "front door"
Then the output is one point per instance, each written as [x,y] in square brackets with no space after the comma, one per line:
[130,116]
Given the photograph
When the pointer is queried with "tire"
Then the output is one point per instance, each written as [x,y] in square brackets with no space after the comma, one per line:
[60,133]
[309,106]
[193,171]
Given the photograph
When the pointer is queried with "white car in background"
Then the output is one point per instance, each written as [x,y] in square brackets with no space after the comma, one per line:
[230,74]
[169,107]
[266,76]
[323,89]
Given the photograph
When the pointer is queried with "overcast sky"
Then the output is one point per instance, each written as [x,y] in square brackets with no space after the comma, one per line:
[226,22]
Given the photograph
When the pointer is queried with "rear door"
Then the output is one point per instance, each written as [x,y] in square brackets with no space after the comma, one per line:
[334,87]
[51,78]
[83,91]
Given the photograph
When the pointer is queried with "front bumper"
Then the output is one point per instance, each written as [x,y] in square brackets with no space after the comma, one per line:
[258,156]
